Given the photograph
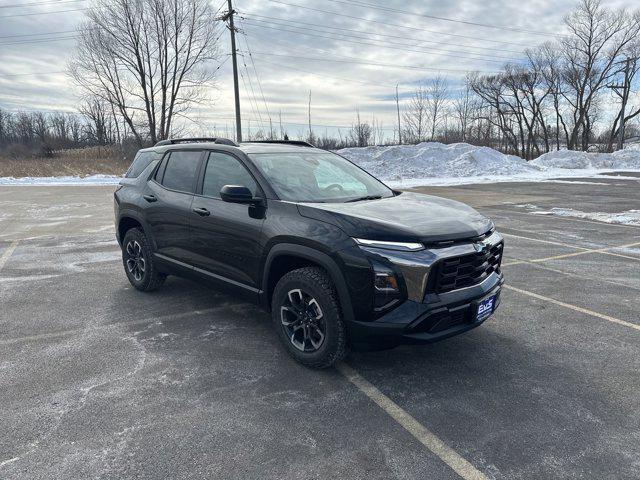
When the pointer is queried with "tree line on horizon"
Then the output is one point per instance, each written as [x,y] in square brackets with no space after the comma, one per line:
[144,65]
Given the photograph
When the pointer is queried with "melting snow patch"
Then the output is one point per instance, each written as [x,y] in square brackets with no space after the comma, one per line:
[629,217]
[89,180]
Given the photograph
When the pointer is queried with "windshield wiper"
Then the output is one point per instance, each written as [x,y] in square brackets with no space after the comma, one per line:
[367,197]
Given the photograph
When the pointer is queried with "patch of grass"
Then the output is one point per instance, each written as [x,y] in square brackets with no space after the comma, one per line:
[107,160]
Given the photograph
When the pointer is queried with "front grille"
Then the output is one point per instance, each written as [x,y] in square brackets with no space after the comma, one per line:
[467,270]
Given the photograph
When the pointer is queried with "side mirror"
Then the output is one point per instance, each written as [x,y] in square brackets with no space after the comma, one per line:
[236,194]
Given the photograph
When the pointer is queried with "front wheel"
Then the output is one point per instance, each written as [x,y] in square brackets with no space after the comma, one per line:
[139,265]
[307,316]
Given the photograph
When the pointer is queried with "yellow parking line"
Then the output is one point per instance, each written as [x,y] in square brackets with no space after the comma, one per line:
[570,274]
[550,242]
[7,253]
[574,219]
[583,250]
[449,456]
[608,318]
[597,250]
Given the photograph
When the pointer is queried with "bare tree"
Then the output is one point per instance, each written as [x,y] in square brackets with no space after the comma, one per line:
[462,108]
[598,37]
[629,68]
[416,117]
[149,59]
[549,54]
[360,133]
[437,92]
[98,121]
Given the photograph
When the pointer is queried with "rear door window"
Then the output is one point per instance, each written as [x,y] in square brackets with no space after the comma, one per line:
[181,170]
[142,161]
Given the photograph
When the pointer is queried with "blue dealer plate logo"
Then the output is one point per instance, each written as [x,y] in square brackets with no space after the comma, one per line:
[485,308]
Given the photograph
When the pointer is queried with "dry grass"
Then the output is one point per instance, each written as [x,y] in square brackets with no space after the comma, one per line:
[81,162]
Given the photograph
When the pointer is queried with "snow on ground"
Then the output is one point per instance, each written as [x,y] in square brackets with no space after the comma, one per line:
[434,163]
[628,217]
[89,180]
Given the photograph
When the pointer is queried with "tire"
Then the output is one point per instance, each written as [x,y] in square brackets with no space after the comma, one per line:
[138,262]
[307,316]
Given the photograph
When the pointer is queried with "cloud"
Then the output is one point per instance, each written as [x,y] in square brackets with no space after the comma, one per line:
[345,62]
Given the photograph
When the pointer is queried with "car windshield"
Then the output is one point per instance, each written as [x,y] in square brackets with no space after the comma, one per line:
[318,177]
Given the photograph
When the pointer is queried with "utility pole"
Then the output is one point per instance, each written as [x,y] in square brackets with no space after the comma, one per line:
[236,87]
[398,107]
[310,130]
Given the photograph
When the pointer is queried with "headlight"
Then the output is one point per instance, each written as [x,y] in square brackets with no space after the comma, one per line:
[400,246]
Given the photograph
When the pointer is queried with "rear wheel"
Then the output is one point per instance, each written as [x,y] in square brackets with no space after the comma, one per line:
[139,265]
[307,316]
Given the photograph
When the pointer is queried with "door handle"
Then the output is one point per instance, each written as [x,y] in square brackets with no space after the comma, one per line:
[150,198]
[203,212]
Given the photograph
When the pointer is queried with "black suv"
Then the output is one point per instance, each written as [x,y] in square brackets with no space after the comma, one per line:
[338,258]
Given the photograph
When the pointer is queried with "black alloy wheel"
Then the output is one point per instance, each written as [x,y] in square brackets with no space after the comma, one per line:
[303,321]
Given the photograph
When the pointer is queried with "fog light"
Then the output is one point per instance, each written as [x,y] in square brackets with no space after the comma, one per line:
[386,287]
[386,282]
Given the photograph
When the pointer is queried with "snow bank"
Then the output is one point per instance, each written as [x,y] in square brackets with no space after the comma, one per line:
[434,163]
[89,180]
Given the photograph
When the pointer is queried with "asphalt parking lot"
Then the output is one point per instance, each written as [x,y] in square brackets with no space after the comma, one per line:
[99,380]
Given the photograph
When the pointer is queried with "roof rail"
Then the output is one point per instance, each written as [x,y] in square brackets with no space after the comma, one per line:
[173,141]
[300,143]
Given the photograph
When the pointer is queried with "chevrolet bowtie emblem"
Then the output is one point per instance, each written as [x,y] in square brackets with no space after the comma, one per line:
[480,247]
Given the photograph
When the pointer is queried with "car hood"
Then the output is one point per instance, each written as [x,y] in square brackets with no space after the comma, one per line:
[406,217]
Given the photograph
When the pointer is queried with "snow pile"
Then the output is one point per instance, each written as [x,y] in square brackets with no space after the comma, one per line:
[89,180]
[628,159]
[434,163]
[628,217]
[429,160]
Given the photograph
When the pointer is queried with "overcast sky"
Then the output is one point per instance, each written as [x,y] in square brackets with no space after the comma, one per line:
[298,49]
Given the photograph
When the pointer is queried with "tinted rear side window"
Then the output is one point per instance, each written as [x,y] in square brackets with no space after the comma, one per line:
[180,172]
[142,161]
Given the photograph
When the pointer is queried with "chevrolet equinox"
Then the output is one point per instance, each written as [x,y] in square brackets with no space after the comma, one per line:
[338,258]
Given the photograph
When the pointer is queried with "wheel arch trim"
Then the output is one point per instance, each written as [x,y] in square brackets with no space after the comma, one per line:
[128,213]
[315,256]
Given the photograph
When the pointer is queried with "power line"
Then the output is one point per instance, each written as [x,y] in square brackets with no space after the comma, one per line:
[288,67]
[38,34]
[343,79]
[28,74]
[246,41]
[360,3]
[403,37]
[408,27]
[31,4]
[430,50]
[404,49]
[44,13]
[253,93]
[42,40]
[353,60]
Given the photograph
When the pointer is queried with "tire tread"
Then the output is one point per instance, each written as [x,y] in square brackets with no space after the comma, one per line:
[322,280]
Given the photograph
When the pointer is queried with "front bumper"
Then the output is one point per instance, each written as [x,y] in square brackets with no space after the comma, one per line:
[428,317]
[416,323]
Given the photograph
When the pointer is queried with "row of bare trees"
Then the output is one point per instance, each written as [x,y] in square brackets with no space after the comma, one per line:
[42,133]
[560,96]
[143,63]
